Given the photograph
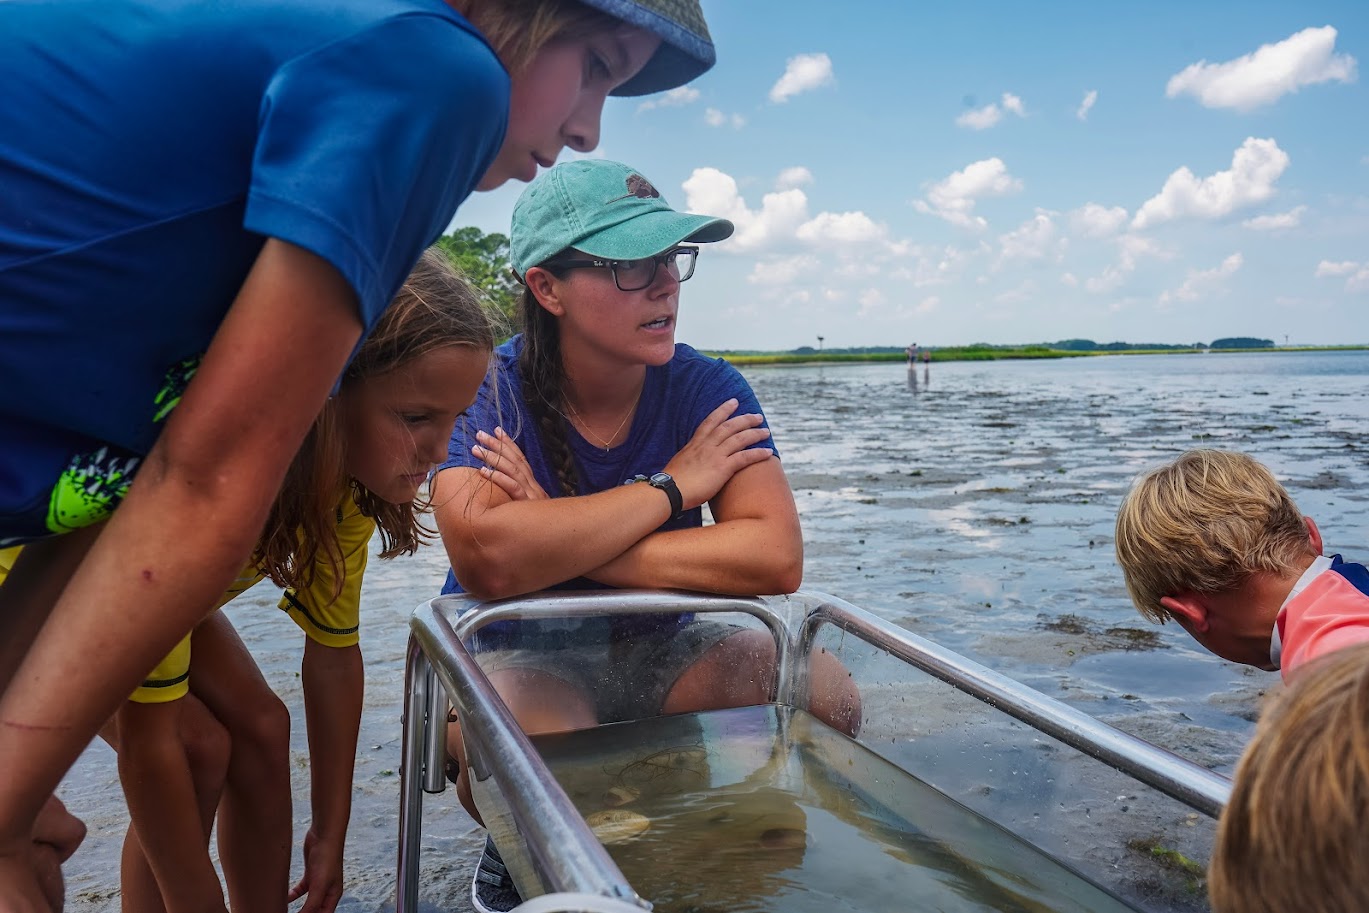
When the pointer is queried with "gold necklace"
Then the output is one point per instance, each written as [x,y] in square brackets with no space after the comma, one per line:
[608,444]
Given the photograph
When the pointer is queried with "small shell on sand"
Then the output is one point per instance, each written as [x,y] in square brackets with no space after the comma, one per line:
[621,795]
[616,825]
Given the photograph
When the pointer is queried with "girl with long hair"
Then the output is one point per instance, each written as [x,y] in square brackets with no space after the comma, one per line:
[204,732]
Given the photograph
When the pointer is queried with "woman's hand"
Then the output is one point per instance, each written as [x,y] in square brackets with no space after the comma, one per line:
[506,466]
[719,449]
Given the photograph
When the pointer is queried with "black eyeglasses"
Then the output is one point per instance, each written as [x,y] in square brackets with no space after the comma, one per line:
[634,275]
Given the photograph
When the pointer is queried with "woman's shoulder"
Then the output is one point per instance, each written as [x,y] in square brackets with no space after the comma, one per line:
[690,366]
[688,358]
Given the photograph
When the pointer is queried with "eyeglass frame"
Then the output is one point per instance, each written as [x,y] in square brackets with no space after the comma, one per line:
[612,265]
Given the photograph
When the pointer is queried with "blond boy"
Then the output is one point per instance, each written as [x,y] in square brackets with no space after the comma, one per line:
[1214,542]
[1295,834]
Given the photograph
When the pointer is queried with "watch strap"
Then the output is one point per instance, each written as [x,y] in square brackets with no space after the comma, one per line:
[666,483]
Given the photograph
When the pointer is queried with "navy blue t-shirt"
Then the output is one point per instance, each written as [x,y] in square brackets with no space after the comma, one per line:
[676,397]
[147,149]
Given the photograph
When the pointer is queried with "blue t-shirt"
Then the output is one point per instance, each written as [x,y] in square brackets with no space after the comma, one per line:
[676,397]
[147,149]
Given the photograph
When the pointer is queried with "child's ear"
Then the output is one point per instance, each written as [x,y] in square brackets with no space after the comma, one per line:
[1189,610]
[1313,533]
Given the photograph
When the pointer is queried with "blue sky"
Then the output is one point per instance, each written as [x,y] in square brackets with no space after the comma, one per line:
[1012,173]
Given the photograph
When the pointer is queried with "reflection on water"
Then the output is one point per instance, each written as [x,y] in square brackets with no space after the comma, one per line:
[765,809]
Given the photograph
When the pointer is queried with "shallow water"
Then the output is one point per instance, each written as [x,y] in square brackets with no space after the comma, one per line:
[761,810]
[975,507]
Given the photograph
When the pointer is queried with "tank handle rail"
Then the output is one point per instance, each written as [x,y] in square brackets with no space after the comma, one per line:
[1177,777]
[564,850]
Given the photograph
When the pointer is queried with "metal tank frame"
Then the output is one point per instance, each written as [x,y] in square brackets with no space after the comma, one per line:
[560,847]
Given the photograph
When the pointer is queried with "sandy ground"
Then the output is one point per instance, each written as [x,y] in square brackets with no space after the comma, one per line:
[973,504]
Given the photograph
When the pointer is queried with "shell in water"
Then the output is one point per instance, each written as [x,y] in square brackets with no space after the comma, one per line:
[621,795]
[616,825]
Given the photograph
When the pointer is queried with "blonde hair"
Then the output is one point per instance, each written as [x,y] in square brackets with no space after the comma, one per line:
[1204,523]
[519,29]
[435,308]
[1295,834]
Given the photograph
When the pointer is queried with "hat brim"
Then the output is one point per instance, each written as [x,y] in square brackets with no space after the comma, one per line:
[683,54]
[652,232]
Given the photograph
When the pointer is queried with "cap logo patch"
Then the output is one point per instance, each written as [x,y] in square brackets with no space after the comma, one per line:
[639,187]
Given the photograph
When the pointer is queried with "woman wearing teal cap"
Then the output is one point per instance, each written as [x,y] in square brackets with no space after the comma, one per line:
[594,393]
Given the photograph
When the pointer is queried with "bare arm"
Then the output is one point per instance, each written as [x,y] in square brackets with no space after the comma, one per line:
[334,683]
[754,547]
[191,517]
[504,545]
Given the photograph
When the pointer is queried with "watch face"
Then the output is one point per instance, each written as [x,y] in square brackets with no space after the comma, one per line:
[661,478]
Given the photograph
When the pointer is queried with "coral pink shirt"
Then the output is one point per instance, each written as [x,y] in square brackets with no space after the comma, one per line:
[1327,609]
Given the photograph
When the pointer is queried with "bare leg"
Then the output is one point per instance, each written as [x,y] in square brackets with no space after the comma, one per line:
[540,702]
[203,747]
[255,813]
[738,672]
[832,695]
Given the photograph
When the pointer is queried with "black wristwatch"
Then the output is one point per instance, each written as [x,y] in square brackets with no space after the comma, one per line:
[665,483]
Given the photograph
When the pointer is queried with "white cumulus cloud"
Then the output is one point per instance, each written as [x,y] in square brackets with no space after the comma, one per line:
[985,117]
[1095,221]
[684,95]
[1344,268]
[1254,169]
[715,118]
[1263,77]
[1202,282]
[1034,239]
[1277,221]
[954,197]
[782,271]
[802,73]
[840,228]
[1085,106]
[1131,248]
[796,176]
[1357,274]
[782,216]
[871,301]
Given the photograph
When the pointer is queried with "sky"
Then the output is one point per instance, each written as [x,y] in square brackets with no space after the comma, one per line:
[1013,173]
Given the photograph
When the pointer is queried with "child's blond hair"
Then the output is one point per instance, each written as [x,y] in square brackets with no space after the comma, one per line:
[519,29]
[1204,523]
[1295,834]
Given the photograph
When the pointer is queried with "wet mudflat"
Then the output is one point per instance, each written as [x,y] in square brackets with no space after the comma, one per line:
[972,503]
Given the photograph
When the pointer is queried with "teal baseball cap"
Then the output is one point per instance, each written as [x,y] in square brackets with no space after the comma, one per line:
[601,208]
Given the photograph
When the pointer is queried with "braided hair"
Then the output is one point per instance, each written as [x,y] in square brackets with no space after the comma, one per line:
[544,379]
